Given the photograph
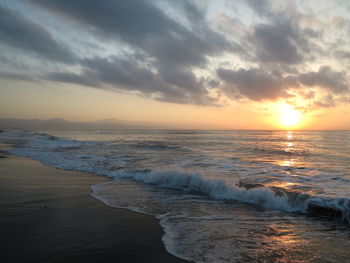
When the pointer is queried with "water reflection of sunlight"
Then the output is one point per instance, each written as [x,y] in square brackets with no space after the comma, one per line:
[287,163]
[288,147]
[286,236]
[281,184]
[285,243]
[289,144]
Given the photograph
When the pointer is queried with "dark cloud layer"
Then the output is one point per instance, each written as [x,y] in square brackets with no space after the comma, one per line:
[280,46]
[19,32]
[74,78]
[280,39]
[326,78]
[141,24]
[276,43]
[254,84]
[257,84]
[130,75]
[162,55]
[17,76]
[174,49]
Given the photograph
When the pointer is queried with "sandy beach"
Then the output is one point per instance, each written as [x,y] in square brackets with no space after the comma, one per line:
[48,215]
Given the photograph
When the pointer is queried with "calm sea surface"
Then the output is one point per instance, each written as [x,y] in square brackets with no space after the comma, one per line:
[221,196]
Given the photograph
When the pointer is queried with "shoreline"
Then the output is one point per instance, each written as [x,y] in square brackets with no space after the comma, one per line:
[49,215]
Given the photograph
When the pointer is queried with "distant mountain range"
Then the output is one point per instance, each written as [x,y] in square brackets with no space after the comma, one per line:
[61,124]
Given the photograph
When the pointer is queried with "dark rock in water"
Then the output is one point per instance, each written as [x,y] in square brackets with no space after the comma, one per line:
[2,154]
[294,196]
[116,168]
[146,170]
[319,210]
[50,137]
[278,191]
[248,186]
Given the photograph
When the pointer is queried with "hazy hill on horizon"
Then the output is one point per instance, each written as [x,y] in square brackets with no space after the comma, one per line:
[65,125]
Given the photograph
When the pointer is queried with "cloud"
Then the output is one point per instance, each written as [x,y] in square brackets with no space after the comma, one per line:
[18,76]
[341,54]
[276,43]
[261,7]
[326,78]
[144,26]
[19,32]
[254,84]
[326,102]
[170,51]
[257,84]
[281,47]
[129,74]
[280,39]
[68,77]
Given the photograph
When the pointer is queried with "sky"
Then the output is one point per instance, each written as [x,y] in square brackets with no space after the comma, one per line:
[243,64]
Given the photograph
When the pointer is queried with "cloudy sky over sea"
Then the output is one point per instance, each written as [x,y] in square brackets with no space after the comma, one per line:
[245,64]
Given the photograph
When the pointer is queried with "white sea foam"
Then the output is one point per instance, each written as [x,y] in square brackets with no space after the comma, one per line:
[214,188]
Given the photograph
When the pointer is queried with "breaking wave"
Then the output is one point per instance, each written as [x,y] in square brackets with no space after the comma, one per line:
[81,156]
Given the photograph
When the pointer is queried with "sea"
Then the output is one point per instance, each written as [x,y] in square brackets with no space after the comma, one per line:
[220,196]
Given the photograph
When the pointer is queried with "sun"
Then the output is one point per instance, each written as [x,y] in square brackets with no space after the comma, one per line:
[289,117]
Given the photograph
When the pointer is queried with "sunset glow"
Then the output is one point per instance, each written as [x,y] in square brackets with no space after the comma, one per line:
[180,65]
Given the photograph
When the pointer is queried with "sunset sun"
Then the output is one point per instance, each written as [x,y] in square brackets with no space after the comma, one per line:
[289,117]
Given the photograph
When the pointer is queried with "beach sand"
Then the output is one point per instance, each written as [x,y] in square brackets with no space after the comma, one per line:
[48,215]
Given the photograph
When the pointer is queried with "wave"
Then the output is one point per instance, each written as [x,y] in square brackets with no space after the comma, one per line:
[53,154]
[266,197]
[158,146]
[311,204]
[287,152]
[215,188]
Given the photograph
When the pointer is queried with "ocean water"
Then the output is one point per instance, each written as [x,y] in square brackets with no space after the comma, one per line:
[221,196]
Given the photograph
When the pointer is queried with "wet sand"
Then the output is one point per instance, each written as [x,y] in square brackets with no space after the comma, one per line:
[48,215]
